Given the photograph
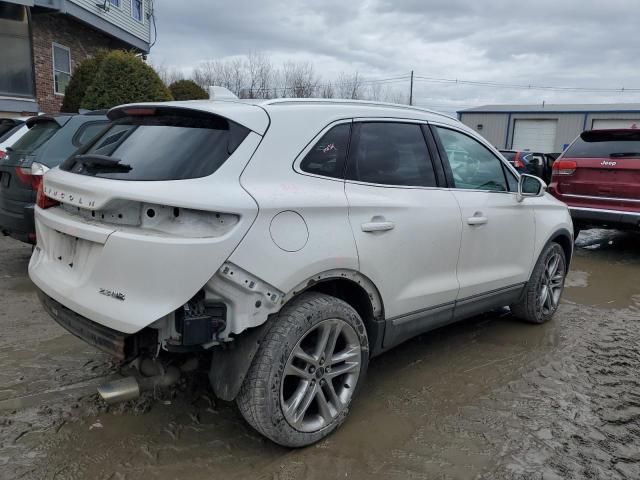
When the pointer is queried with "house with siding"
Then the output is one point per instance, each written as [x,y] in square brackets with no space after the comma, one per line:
[43,40]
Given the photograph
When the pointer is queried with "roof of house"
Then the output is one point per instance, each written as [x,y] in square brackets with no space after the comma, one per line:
[556,108]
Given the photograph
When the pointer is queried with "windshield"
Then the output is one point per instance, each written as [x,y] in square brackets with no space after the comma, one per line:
[35,137]
[598,144]
[160,147]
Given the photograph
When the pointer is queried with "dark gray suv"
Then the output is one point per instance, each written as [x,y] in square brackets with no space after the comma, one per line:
[49,141]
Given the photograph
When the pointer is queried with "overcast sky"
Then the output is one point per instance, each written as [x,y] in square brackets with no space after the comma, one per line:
[567,43]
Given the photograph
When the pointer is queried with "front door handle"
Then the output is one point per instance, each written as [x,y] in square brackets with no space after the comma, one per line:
[477,219]
[377,226]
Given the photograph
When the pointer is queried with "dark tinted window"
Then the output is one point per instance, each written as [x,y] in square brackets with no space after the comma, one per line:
[391,154]
[328,155]
[87,132]
[472,164]
[10,132]
[5,126]
[605,144]
[160,147]
[35,137]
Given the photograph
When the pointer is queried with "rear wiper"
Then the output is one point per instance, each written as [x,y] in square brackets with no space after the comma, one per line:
[95,160]
[625,154]
[94,163]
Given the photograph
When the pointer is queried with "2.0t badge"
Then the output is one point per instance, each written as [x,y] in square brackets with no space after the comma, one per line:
[112,293]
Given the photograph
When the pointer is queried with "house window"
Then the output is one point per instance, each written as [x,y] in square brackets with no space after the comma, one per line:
[61,68]
[16,77]
[136,9]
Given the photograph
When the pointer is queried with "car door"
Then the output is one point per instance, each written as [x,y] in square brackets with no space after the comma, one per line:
[406,227]
[498,232]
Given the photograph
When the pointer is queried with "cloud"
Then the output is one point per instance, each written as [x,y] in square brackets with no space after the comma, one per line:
[582,43]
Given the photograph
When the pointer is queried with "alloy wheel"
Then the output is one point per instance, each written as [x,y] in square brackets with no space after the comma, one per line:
[551,284]
[320,375]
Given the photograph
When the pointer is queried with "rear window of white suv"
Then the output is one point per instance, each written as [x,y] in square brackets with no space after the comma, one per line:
[166,145]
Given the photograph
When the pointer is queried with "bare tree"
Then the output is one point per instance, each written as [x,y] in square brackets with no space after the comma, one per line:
[327,90]
[299,79]
[349,86]
[168,75]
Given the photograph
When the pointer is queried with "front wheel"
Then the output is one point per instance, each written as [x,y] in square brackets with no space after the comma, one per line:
[542,293]
[304,377]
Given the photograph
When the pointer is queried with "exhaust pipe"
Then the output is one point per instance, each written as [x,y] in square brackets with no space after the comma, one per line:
[129,388]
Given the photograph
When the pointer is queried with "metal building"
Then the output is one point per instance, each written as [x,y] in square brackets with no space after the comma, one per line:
[546,128]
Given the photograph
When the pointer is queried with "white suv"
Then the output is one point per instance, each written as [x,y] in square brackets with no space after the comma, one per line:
[294,240]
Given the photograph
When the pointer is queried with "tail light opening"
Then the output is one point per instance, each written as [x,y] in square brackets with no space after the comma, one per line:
[564,167]
[32,176]
[3,154]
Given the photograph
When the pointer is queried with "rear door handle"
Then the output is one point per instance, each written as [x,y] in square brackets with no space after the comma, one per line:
[477,219]
[377,226]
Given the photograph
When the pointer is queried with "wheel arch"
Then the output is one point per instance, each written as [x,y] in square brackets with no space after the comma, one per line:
[229,364]
[564,238]
[355,289]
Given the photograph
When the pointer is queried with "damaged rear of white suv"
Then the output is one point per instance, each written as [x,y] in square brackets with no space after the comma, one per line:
[292,240]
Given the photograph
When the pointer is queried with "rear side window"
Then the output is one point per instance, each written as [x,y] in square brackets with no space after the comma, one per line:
[87,132]
[36,137]
[160,147]
[327,157]
[391,154]
[598,144]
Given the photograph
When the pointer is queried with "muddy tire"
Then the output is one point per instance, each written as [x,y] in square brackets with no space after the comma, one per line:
[542,293]
[307,371]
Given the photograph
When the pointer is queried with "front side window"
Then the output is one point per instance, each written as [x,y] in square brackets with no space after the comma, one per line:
[136,9]
[61,68]
[327,157]
[115,3]
[16,69]
[472,164]
[391,154]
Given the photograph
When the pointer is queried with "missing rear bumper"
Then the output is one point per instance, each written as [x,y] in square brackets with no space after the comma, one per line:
[120,345]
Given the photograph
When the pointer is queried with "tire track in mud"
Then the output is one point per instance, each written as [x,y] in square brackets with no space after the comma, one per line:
[576,416]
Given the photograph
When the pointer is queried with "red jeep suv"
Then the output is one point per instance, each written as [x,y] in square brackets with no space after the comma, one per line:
[598,177]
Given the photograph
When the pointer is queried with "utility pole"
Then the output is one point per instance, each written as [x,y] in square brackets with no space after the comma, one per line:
[411,90]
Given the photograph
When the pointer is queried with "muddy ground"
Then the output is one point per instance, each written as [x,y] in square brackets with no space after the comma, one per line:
[489,398]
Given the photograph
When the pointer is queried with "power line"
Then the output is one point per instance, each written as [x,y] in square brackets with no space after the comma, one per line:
[478,83]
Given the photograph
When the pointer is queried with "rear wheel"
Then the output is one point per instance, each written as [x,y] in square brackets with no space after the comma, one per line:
[544,289]
[307,371]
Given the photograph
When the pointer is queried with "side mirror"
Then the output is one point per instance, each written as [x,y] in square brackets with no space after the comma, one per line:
[530,186]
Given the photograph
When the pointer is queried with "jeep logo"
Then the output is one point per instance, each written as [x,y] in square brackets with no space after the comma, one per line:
[606,163]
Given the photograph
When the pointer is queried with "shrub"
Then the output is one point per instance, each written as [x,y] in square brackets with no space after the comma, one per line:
[81,80]
[187,90]
[124,78]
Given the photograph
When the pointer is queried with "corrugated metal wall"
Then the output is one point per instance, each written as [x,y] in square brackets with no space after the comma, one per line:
[121,16]
[570,125]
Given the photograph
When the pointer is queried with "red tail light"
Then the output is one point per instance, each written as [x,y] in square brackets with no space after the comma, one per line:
[31,176]
[3,154]
[42,200]
[564,167]
[517,162]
